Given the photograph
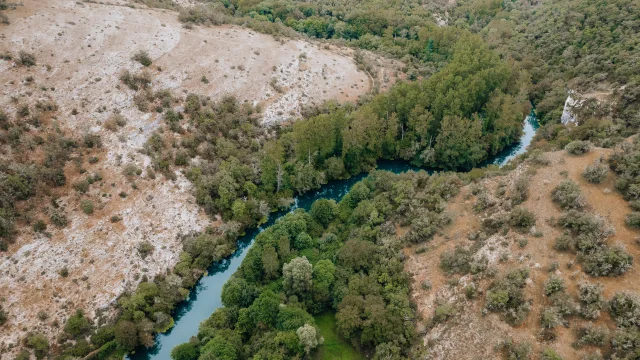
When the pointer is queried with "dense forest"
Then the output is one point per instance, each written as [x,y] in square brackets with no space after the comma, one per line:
[342,257]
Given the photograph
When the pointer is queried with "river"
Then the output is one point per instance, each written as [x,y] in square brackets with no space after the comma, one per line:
[204,298]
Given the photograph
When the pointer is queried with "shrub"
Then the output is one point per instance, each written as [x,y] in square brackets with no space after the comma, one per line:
[507,296]
[515,351]
[81,186]
[87,206]
[568,195]
[553,285]
[563,243]
[596,173]
[625,310]
[585,224]
[537,157]
[592,335]
[457,261]
[625,344]
[131,170]
[633,220]
[114,121]
[563,303]
[485,201]
[550,318]
[592,300]
[58,218]
[549,354]
[522,218]
[578,147]
[43,315]
[39,226]
[39,344]
[26,59]
[145,249]
[142,57]
[443,312]
[520,190]
[136,81]
[606,261]
[64,272]
[3,316]
[77,324]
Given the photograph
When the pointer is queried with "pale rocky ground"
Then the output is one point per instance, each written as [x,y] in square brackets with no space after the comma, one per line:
[471,335]
[81,49]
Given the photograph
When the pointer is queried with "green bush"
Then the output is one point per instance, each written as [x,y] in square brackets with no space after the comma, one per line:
[625,309]
[39,344]
[443,312]
[578,147]
[145,249]
[26,58]
[606,261]
[568,195]
[550,318]
[3,316]
[633,220]
[592,335]
[81,186]
[549,354]
[553,285]
[506,295]
[515,351]
[457,261]
[39,226]
[58,218]
[87,206]
[522,218]
[626,344]
[24,354]
[77,324]
[520,190]
[592,300]
[596,173]
[137,81]
[142,57]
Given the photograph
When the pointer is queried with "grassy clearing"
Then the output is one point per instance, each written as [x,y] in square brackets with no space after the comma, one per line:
[334,347]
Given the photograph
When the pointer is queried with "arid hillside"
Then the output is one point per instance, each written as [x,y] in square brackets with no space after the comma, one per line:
[455,273]
[136,219]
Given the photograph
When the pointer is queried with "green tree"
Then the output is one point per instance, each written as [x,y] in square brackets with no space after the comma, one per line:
[186,351]
[238,292]
[77,324]
[457,145]
[270,262]
[126,335]
[309,338]
[323,211]
[297,276]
